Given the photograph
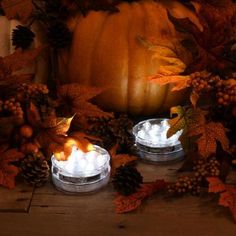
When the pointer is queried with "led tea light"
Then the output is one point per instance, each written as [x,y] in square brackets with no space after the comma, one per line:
[152,142]
[82,172]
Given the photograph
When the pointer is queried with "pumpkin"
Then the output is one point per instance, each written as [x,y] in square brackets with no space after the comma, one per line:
[105,52]
[41,67]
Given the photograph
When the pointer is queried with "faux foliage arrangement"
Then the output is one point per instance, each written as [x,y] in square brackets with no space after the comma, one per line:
[31,116]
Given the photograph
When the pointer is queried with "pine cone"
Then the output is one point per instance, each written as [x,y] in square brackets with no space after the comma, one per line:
[22,37]
[59,36]
[127,180]
[121,128]
[100,128]
[35,169]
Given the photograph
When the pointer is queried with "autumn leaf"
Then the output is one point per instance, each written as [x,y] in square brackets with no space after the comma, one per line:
[171,66]
[75,99]
[51,132]
[215,185]
[182,119]
[210,133]
[17,9]
[227,194]
[8,171]
[11,64]
[212,41]
[118,160]
[129,203]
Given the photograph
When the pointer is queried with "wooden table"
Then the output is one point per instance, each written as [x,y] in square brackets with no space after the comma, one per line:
[46,211]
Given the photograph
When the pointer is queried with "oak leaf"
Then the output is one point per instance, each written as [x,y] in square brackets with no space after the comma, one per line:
[210,133]
[213,40]
[75,100]
[129,203]
[17,9]
[8,171]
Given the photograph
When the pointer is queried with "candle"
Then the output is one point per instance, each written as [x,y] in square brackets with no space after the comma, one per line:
[152,142]
[82,171]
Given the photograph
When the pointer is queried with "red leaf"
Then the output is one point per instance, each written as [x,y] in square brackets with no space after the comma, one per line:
[215,185]
[8,171]
[18,9]
[132,202]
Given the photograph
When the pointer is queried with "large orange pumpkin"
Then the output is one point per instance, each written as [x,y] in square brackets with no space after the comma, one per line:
[105,52]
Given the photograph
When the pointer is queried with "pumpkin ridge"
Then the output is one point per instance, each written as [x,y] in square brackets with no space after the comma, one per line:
[90,81]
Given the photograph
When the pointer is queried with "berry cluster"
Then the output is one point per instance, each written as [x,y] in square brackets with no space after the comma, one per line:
[33,89]
[202,81]
[184,184]
[192,184]
[226,92]
[11,107]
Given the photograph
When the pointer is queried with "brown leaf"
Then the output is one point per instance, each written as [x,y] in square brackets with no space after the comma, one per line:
[118,160]
[8,171]
[212,41]
[18,9]
[75,100]
[209,133]
[129,203]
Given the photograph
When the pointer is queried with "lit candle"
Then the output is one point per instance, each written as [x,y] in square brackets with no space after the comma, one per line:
[152,142]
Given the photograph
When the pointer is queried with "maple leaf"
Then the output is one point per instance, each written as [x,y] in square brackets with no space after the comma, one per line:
[11,64]
[17,9]
[118,160]
[215,185]
[129,203]
[182,121]
[209,134]
[171,66]
[227,194]
[51,132]
[212,41]
[8,171]
[75,99]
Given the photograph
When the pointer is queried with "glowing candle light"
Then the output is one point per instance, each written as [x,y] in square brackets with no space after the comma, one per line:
[82,171]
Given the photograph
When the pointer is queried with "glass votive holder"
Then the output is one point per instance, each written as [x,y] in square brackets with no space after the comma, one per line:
[82,172]
[152,144]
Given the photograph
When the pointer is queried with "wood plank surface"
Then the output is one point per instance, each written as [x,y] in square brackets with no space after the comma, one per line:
[55,213]
[17,199]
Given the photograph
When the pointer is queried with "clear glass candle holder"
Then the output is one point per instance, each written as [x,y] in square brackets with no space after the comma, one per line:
[79,176]
[153,145]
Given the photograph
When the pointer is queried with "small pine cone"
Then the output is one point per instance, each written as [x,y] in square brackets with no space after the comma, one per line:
[22,37]
[127,180]
[35,169]
[121,128]
[100,129]
[59,35]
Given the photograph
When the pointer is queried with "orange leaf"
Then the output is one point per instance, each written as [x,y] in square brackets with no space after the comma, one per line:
[129,203]
[120,159]
[18,9]
[75,99]
[8,171]
[209,133]
[215,185]
[180,82]
[228,199]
